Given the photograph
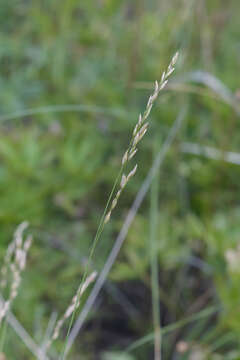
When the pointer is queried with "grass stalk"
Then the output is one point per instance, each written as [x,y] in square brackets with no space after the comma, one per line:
[172,327]
[154,195]
[139,131]
[3,335]
[95,242]
[124,230]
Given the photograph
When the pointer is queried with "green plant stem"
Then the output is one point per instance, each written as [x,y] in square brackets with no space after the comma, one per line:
[167,329]
[61,109]
[95,242]
[3,335]
[154,260]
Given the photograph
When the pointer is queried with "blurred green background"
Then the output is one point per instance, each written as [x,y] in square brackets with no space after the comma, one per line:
[74,76]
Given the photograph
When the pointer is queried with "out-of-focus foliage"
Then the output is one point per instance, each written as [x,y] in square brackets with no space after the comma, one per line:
[73,77]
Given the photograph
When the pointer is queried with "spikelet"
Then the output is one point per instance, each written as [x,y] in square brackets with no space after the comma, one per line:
[139,131]
[17,242]
[72,307]
[14,263]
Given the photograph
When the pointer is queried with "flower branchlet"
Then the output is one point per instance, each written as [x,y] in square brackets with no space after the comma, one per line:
[139,131]
[72,307]
[14,263]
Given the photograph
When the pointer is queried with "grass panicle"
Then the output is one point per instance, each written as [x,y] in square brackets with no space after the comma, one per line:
[139,131]
[14,263]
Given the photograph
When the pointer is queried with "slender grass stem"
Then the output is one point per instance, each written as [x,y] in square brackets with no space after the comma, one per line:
[154,259]
[61,109]
[94,244]
[3,335]
[172,327]
[139,131]
[126,225]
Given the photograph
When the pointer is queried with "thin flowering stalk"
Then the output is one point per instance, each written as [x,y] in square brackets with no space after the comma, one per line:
[124,230]
[14,262]
[139,131]
[72,307]
[95,241]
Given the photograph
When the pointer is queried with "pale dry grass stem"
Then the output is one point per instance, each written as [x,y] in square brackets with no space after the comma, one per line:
[13,265]
[71,308]
[139,131]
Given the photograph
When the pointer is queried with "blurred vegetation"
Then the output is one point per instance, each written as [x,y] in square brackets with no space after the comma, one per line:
[74,77]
